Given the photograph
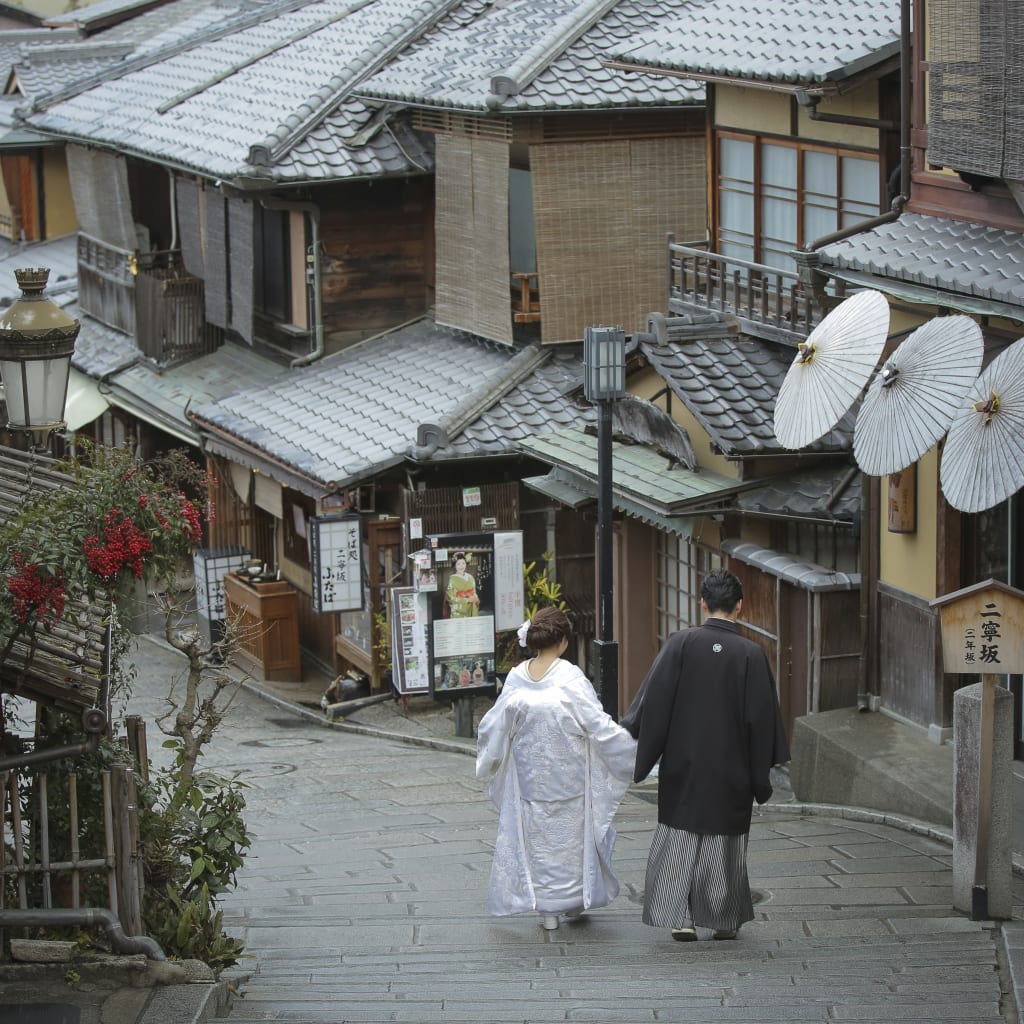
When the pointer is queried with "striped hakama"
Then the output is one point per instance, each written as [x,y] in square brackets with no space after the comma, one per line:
[697,881]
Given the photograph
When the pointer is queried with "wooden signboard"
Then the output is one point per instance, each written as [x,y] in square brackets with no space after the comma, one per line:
[982,633]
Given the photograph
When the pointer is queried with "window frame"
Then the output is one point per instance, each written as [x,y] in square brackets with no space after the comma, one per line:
[759,193]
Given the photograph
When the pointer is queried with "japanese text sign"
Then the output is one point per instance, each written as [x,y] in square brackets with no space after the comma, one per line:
[336,563]
[983,629]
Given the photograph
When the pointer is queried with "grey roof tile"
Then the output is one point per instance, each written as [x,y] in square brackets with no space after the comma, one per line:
[352,414]
[807,494]
[289,67]
[538,43]
[799,41]
[958,257]
[730,385]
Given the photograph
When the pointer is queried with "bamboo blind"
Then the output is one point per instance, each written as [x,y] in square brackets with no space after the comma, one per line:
[473,271]
[602,212]
[240,254]
[187,196]
[99,187]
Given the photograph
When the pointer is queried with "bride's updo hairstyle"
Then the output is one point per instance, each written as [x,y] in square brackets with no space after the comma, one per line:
[548,628]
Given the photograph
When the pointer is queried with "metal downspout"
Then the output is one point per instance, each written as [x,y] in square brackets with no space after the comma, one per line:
[84,917]
[901,200]
[318,321]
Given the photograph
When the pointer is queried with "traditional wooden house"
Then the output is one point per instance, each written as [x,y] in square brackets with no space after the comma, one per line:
[802,137]
[955,246]
[300,227]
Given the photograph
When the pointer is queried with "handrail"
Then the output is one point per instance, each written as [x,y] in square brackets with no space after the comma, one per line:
[733,261]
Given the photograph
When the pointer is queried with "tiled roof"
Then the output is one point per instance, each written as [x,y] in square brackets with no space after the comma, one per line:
[42,70]
[730,385]
[971,264]
[545,400]
[825,493]
[639,473]
[236,98]
[164,398]
[100,350]
[548,53]
[58,255]
[354,414]
[797,41]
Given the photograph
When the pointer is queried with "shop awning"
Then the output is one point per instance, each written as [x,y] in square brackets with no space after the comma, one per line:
[84,402]
[642,477]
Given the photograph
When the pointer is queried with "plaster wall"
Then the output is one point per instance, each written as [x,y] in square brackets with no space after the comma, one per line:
[648,383]
[754,110]
[61,218]
[758,110]
[908,560]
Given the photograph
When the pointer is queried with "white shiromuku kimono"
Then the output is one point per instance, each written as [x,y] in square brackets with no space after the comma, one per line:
[559,768]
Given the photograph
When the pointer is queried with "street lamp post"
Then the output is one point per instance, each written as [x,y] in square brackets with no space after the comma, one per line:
[36,342]
[604,381]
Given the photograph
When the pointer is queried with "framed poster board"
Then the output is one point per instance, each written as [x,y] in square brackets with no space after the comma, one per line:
[336,563]
[410,661]
[461,608]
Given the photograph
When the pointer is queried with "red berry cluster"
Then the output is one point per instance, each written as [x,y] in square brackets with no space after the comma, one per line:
[190,514]
[123,545]
[35,594]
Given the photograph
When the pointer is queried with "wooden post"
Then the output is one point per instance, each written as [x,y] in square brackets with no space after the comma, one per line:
[463,716]
[979,894]
[129,908]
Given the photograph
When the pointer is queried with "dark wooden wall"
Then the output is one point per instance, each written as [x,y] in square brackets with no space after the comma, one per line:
[911,680]
[377,263]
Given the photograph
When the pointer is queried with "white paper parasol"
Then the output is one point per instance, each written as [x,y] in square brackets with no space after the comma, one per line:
[912,400]
[830,369]
[983,459]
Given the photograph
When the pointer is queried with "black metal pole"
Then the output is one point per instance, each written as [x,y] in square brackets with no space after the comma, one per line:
[605,648]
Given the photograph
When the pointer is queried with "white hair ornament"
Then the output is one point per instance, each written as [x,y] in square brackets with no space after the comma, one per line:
[522,631]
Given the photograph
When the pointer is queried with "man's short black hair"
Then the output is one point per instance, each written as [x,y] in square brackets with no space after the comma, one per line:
[721,591]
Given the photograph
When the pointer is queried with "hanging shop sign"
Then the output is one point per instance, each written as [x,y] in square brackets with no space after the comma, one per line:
[336,563]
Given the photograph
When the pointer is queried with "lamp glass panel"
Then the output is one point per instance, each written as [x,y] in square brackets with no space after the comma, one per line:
[36,390]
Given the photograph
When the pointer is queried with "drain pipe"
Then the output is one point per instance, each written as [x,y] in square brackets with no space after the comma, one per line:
[318,321]
[84,917]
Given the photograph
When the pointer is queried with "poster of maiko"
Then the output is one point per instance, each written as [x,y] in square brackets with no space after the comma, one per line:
[478,591]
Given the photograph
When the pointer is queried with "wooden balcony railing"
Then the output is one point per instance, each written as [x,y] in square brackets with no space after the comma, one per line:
[767,301]
[170,320]
[525,298]
[106,284]
[148,296]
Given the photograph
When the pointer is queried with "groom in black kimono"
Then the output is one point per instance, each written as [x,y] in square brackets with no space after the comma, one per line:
[708,709]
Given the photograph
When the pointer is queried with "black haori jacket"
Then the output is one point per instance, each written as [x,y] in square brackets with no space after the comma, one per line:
[709,710]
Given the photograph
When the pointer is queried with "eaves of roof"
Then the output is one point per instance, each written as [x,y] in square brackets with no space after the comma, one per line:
[730,385]
[931,260]
[804,575]
[816,44]
[639,474]
[575,491]
[353,415]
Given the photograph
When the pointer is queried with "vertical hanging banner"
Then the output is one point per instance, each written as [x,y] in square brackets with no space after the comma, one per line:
[508,580]
[336,563]
[410,667]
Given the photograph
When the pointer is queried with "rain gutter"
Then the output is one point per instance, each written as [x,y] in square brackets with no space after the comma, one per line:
[900,201]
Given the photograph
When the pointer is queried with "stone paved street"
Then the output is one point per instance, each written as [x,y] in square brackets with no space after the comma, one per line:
[363,900]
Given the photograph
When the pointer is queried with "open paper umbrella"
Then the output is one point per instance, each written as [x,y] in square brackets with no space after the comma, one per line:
[912,399]
[983,459]
[830,369]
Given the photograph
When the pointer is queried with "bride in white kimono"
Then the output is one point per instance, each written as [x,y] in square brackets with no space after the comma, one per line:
[559,767]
